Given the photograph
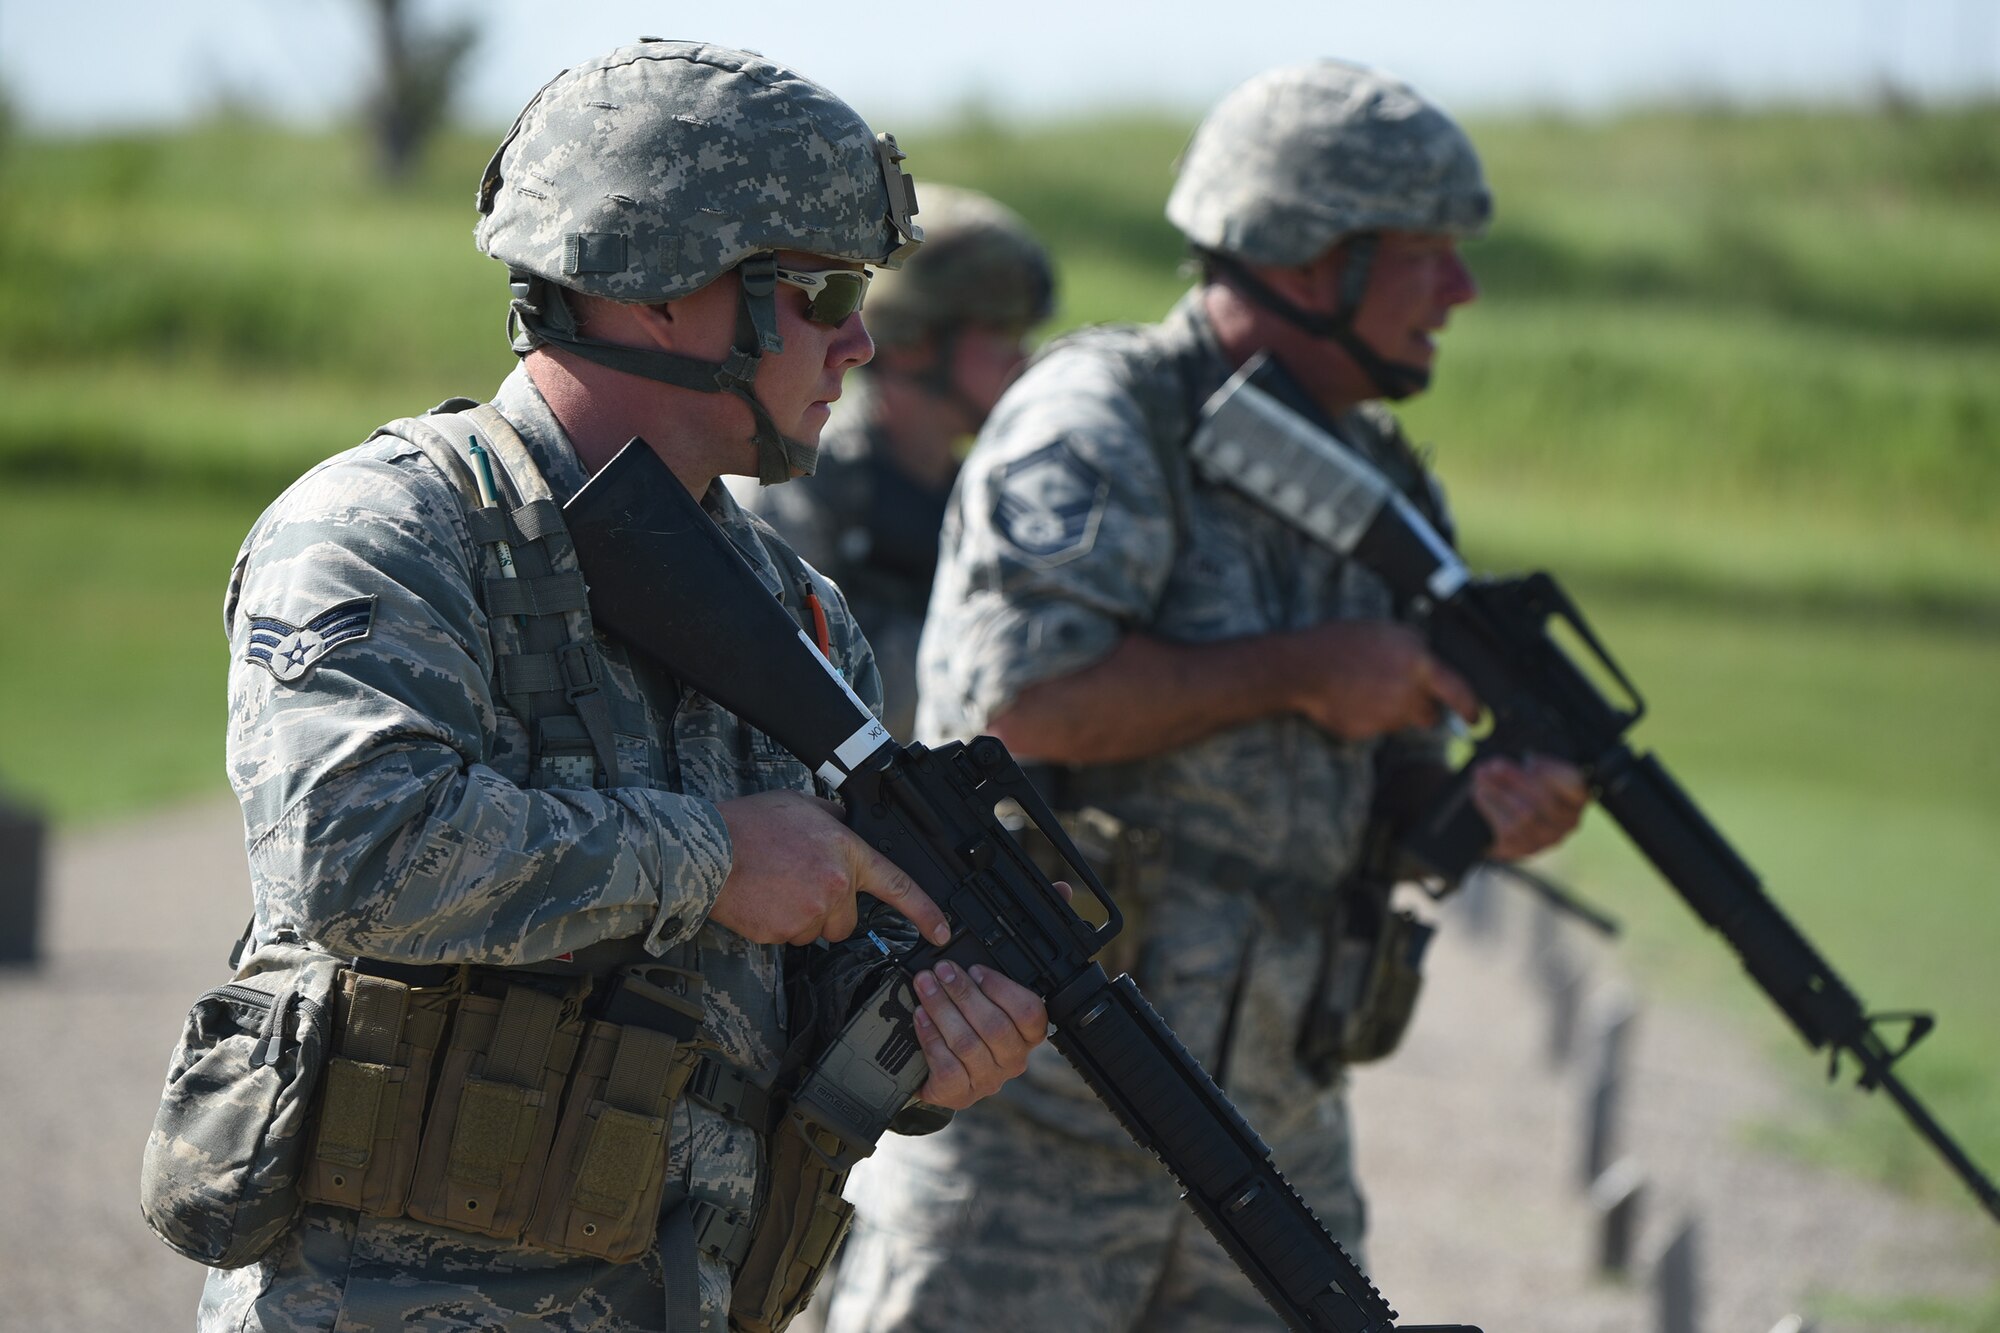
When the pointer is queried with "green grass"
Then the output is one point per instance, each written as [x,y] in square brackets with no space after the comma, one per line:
[113,662]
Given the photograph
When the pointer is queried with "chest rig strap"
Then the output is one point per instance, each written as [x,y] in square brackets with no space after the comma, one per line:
[547,662]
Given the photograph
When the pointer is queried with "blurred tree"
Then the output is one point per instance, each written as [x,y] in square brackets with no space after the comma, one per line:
[419,70]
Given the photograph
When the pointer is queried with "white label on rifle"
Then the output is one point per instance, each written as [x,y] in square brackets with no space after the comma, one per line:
[869,737]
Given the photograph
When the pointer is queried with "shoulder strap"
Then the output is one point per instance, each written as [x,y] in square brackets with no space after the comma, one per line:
[1172,414]
[546,659]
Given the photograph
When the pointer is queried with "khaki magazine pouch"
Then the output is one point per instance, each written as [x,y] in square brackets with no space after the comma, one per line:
[601,1192]
[803,1222]
[371,1111]
[493,1118]
[543,1127]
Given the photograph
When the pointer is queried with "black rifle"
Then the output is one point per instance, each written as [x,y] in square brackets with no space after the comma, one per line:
[666,581]
[1261,435]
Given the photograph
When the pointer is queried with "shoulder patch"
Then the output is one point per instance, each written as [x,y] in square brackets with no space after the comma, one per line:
[290,652]
[1049,503]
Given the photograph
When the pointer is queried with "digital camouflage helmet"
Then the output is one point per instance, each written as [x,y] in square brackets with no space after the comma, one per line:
[979,265]
[659,168]
[1300,159]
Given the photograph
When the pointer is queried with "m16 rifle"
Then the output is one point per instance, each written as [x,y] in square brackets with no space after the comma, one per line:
[665,580]
[1261,435]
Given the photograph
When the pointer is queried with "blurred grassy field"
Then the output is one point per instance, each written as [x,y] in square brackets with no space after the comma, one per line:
[1735,376]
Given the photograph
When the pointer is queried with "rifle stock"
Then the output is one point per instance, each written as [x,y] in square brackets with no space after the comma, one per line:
[664,579]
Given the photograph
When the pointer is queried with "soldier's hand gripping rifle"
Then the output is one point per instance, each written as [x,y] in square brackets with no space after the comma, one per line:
[665,580]
[1260,435]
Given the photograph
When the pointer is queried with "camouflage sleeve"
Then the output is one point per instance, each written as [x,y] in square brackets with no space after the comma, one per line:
[362,732]
[1059,541]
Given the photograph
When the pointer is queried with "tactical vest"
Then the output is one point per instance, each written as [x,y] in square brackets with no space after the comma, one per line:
[532,1077]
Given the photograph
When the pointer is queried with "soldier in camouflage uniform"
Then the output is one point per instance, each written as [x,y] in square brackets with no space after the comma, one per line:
[1191,665]
[685,229]
[950,329]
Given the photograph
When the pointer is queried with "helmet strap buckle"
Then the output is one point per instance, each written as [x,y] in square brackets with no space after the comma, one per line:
[757,315]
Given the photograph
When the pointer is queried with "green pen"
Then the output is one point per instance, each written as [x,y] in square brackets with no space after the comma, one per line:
[489,495]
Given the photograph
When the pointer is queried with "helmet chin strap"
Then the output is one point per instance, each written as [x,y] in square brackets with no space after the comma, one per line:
[1394,380]
[540,313]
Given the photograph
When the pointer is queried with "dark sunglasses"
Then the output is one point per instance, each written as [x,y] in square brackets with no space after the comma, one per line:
[832,294]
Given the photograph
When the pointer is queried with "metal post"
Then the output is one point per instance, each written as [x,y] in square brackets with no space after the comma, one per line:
[1544,937]
[1479,904]
[1679,1283]
[21,842]
[1563,976]
[1600,1138]
[1616,1197]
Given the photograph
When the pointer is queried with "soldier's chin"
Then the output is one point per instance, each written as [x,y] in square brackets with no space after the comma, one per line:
[1404,380]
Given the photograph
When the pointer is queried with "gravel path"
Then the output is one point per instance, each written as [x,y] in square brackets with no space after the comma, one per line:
[1470,1137]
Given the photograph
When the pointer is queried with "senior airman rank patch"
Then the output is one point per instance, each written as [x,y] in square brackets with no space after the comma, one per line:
[289,651]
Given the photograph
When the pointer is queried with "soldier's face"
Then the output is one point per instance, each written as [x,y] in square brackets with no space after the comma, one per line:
[798,385]
[1417,279]
[985,358]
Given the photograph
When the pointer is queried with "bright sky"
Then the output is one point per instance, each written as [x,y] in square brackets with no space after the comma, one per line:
[119,62]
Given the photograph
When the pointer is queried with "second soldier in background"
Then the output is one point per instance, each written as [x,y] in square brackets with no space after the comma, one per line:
[1232,705]
[950,331]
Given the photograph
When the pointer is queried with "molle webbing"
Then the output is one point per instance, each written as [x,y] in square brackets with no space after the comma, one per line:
[522,1037]
[546,659]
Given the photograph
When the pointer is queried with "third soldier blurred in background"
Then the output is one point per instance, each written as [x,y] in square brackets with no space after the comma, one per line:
[950,330]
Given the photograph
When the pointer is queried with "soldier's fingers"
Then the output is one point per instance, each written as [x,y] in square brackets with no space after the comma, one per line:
[878,875]
[1068,893]
[1450,689]
[1563,781]
[952,1023]
[1497,794]
[950,1083]
[1024,1008]
[994,1026]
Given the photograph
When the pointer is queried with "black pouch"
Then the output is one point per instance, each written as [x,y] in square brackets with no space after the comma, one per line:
[219,1181]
